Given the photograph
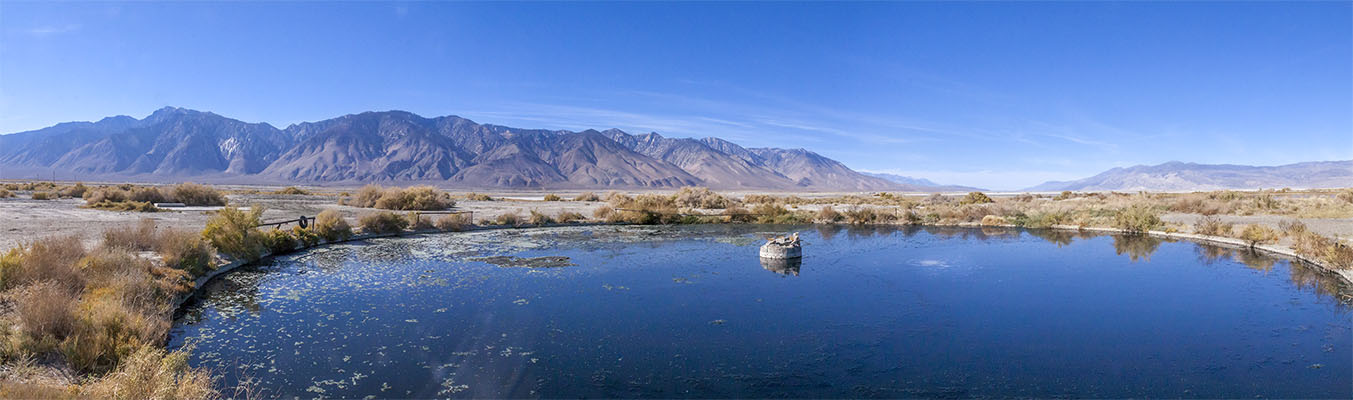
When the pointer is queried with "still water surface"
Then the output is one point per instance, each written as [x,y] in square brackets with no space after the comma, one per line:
[691,312]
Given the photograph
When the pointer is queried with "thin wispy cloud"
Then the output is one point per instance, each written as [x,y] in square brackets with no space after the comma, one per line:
[50,30]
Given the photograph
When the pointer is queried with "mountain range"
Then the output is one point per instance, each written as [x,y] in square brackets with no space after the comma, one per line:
[397,146]
[174,144]
[1181,176]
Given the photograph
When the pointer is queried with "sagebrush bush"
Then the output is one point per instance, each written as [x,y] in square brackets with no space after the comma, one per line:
[45,309]
[235,233]
[700,197]
[828,215]
[1346,196]
[330,225]
[1212,226]
[508,219]
[1292,227]
[1258,234]
[51,259]
[5,194]
[417,198]
[569,216]
[185,250]
[868,215]
[366,196]
[453,222]
[586,196]
[552,197]
[644,209]
[193,194]
[74,191]
[292,190]
[43,196]
[279,241]
[1137,219]
[537,218]
[603,213]
[417,222]
[976,198]
[140,238]
[126,205]
[477,197]
[993,220]
[382,222]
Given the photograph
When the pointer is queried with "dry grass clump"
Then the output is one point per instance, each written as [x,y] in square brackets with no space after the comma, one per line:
[128,206]
[1213,226]
[1258,234]
[509,219]
[234,232]
[73,191]
[552,197]
[417,222]
[152,373]
[604,213]
[49,259]
[5,194]
[141,238]
[869,216]
[700,197]
[1346,196]
[453,222]
[43,196]
[382,222]
[771,213]
[45,309]
[1328,250]
[292,190]
[330,225]
[1137,219]
[417,198]
[537,218]
[185,250]
[569,216]
[193,194]
[994,220]
[587,196]
[644,209]
[279,241]
[759,198]
[477,197]
[828,215]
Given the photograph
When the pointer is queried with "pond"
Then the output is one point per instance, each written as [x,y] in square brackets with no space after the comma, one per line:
[690,311]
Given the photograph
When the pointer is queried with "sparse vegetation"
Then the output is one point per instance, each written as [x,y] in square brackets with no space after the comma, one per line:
[1137,219]
[235,233]
[1213,226]
[417,198]
[1258,234]
[292,190]
[508,219]
[538,218]
[552,197]
[700,197]
[5,194]
[43,196]
[587,196]
[477,197]
[569,216]
[976,198]
[193,194]
[382,222]
[828,215]
[331,226]
[453,222]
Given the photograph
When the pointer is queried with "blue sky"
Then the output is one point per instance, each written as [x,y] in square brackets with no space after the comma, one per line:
[994,94]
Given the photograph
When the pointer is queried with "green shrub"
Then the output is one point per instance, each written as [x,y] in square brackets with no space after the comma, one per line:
[976,198]
[1137,219]
[306,237]
[382,222]
[234,232]
[1258,234]
[330,225]
[587,196]
[552,197]
[279,241]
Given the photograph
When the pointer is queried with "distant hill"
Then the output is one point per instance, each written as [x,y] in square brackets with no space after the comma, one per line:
[396,146]
[921,184]
[1180,176]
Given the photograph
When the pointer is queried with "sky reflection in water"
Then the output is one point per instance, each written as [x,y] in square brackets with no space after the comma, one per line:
[691,312]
